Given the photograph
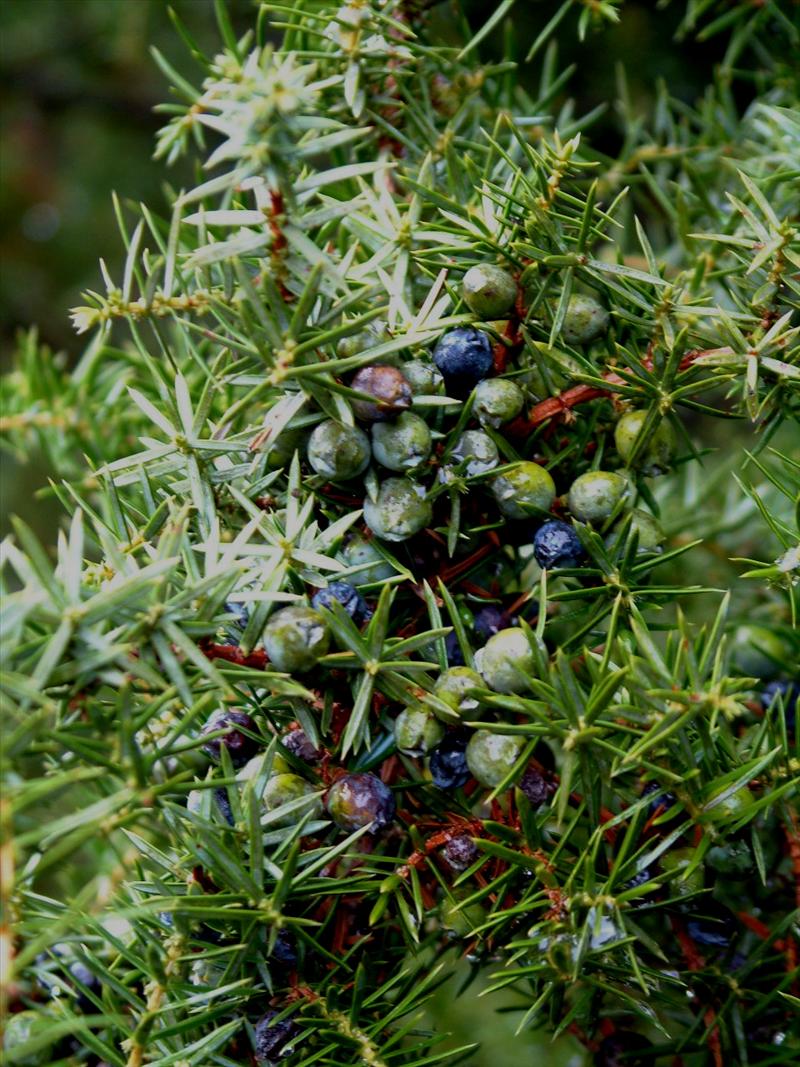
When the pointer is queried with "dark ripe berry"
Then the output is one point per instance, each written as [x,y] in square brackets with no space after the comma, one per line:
[490,620]
[241,617]
[273,1039]
[555,544]
[639,878]
[387,386]
[464,356]
[460,852]
[789,692]
[224,805]
[81,973]
[295,638]
[661,803]
[240,747]
[299,745]
[347,595]
[455,657]
[717,932]
[361,800]
[619,1050]
[284,951]
[534,787]
[448,762]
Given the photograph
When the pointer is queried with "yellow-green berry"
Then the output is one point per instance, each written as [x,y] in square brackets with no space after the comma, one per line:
[283,789]
[455,687]
[491,756]
[416,732]
[524,490]
[506,660]
[655,457]
[594,496]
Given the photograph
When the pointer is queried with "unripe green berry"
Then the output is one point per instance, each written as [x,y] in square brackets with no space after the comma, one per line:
[403,444]
[358,552]
[22,1027]
[356,343]
[295,638]
[647,527]
[399,511]
[721,807]
[280,452]
[337,451]
[417,732]
[459,921]
[477,450]
[677,860]
[524,490]
[489,291]
[656,456]
[584,321]
[505,661]
[497,400]
[594,496]
[423,376]
[283,789]
[455,686]
[491,757]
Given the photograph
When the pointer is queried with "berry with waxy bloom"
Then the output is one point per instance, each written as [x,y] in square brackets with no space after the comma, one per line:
[273,1037]
[585,320]
[399,511]
[403,444]
[240,746]
[465,357]
[497,401]
[345,594]
[488,290]
[358,800]
[595,495]
[338,452]
[477,451]
[506,660]
[455,687]
[417,731]
[300,746]
[491,756]
[523,490]
[556,544]
[283,789]
[387,388]
[460,852]
[448,762]
[295,638]
[653,458]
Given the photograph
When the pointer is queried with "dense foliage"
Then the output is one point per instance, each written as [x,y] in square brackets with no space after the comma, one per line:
[366,645]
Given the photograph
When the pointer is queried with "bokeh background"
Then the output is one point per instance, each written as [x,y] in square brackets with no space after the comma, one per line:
[79,86]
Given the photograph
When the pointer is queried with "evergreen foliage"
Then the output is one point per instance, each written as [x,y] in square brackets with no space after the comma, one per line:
[597,804]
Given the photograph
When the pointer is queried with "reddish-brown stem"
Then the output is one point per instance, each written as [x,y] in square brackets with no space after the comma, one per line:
[561,405]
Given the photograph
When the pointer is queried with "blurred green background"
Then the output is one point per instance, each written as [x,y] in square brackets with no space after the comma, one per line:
[79,86]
